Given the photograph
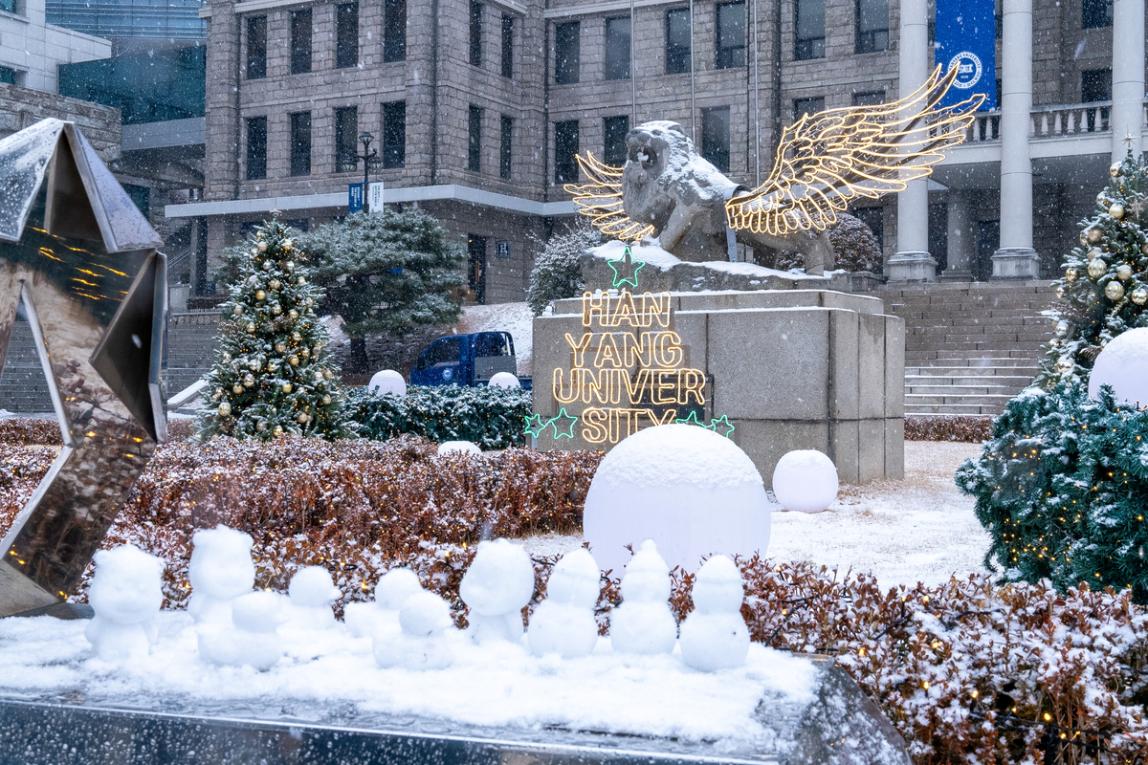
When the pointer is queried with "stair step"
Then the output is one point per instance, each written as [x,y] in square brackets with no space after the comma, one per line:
[914,400]
[913,388]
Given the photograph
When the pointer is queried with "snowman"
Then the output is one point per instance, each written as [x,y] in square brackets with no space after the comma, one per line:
[714,635]
[496,587]
[220,571]
[312,592]
[564,623]
[424,641]
[369,619]
[126,595]
[643,623]
[254,640]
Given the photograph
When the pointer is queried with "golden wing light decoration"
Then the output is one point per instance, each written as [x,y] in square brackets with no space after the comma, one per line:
[828,159]
[600,200]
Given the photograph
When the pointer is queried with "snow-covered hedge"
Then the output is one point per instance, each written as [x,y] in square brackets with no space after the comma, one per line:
[491,417]
[967,428]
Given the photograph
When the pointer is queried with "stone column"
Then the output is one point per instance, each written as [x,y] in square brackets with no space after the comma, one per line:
[912,261]
[960,251]
[1015,258]
[1127,76]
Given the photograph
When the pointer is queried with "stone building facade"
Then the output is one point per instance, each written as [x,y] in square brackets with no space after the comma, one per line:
[495,94]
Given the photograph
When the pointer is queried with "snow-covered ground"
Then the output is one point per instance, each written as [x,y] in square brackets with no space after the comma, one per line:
[504,685]
[919,529]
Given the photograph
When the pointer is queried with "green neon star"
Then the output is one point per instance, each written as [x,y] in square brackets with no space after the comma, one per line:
[535,425]
[629,265]
[721,423]
[692,419]
[565,430]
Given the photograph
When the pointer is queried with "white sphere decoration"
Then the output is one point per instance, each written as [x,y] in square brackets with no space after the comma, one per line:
[458,447]
[1123,364]
[504,380]
[805,481]
[692,491]
[387,382]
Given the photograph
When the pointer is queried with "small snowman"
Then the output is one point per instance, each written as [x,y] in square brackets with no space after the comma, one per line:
[312,592]
[126,595]
[564,623]
[254,641]
[369,619]
[714,635]
[643,624]
[220,571]
[424,640]
[496,587]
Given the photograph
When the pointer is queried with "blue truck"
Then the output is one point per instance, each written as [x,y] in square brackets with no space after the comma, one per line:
[466,360]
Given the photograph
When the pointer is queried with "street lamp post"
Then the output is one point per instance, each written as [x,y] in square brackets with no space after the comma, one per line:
[368,154]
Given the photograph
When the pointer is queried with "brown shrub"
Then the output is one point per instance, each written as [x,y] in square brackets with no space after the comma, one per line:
[949,428]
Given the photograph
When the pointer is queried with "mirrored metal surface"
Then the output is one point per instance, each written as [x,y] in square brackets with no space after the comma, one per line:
[80,257]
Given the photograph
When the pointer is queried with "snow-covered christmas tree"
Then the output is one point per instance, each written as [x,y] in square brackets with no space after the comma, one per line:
[1104,288]
[269,377]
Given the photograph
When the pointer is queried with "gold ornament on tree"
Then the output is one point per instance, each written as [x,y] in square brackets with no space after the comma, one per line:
[260,295]
[224,409]
[249,381]
[1114,291]
[1116,211]
[287,388]
[1114,169]
[1071,274]
[237,389]
[1097,268]
[278,431]
[1140,295]
[1094,235]
[276,310]
[274,284]
[1124,272]
[251,328]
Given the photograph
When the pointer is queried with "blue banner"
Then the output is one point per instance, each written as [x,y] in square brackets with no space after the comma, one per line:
[966,39]
[354,197]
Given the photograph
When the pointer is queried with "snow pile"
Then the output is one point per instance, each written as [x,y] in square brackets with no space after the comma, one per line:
[691,490]
[805,481]
[1123,364]
[652,254]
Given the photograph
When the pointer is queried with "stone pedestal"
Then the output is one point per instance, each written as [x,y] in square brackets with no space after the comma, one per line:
[911,267]
[792,369]
[1019,263]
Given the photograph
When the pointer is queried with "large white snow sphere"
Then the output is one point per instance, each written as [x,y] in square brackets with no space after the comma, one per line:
[1123,364]
[805,481]
[504,380]
[388,382]
[693,491]
[458,447]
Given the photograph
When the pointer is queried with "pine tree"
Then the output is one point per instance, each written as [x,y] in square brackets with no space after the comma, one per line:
[391,273]
[1104,287]
[1062,486]
[269,375]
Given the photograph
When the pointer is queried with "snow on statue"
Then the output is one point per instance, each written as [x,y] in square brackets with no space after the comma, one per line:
[643,624]
[714,635]
[564,623]
[126,595]
[825,161]
[496,587]
[220,571]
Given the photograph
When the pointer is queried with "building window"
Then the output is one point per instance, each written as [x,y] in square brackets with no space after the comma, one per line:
[301,143]
[256,47]
[10,6]
[869,98]
[346,35]
[567,52]
[394,30]
[715,136]
[256,148]
[1096,13]
[1095,85]
[346,137]
[565,147]
[506,147]
[614,131]
[811,105]
[394,134]
[301,41]
[474,140]
[476,11]
[810,26]
[507,46]
[730,35]
[476,266]
[9,76]
[677,40]
[872,25]
[618,48]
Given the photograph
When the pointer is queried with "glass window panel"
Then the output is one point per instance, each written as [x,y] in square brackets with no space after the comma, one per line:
[614,143]
[346,139]
[715,136]
[301,143]
[810,25]
[567,53]
[677,40]
[394,134]
[256,47]
[507,46]
[474,140]
[346,35]
[506,147]
[730,35]
[256,148]
[301,41]
[394,30]
[618,48]
[872,25]
[476,13]
[565,147]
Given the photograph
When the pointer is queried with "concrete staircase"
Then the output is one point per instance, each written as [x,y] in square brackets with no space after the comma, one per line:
[969,348]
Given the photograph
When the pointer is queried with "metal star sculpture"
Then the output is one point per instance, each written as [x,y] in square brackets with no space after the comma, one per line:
[79,257]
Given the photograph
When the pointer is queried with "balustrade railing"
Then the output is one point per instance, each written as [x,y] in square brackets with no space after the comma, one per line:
[1048,122]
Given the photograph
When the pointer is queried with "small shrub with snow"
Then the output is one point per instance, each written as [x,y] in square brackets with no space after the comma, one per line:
[489,416]
[855,248]
[557,271]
